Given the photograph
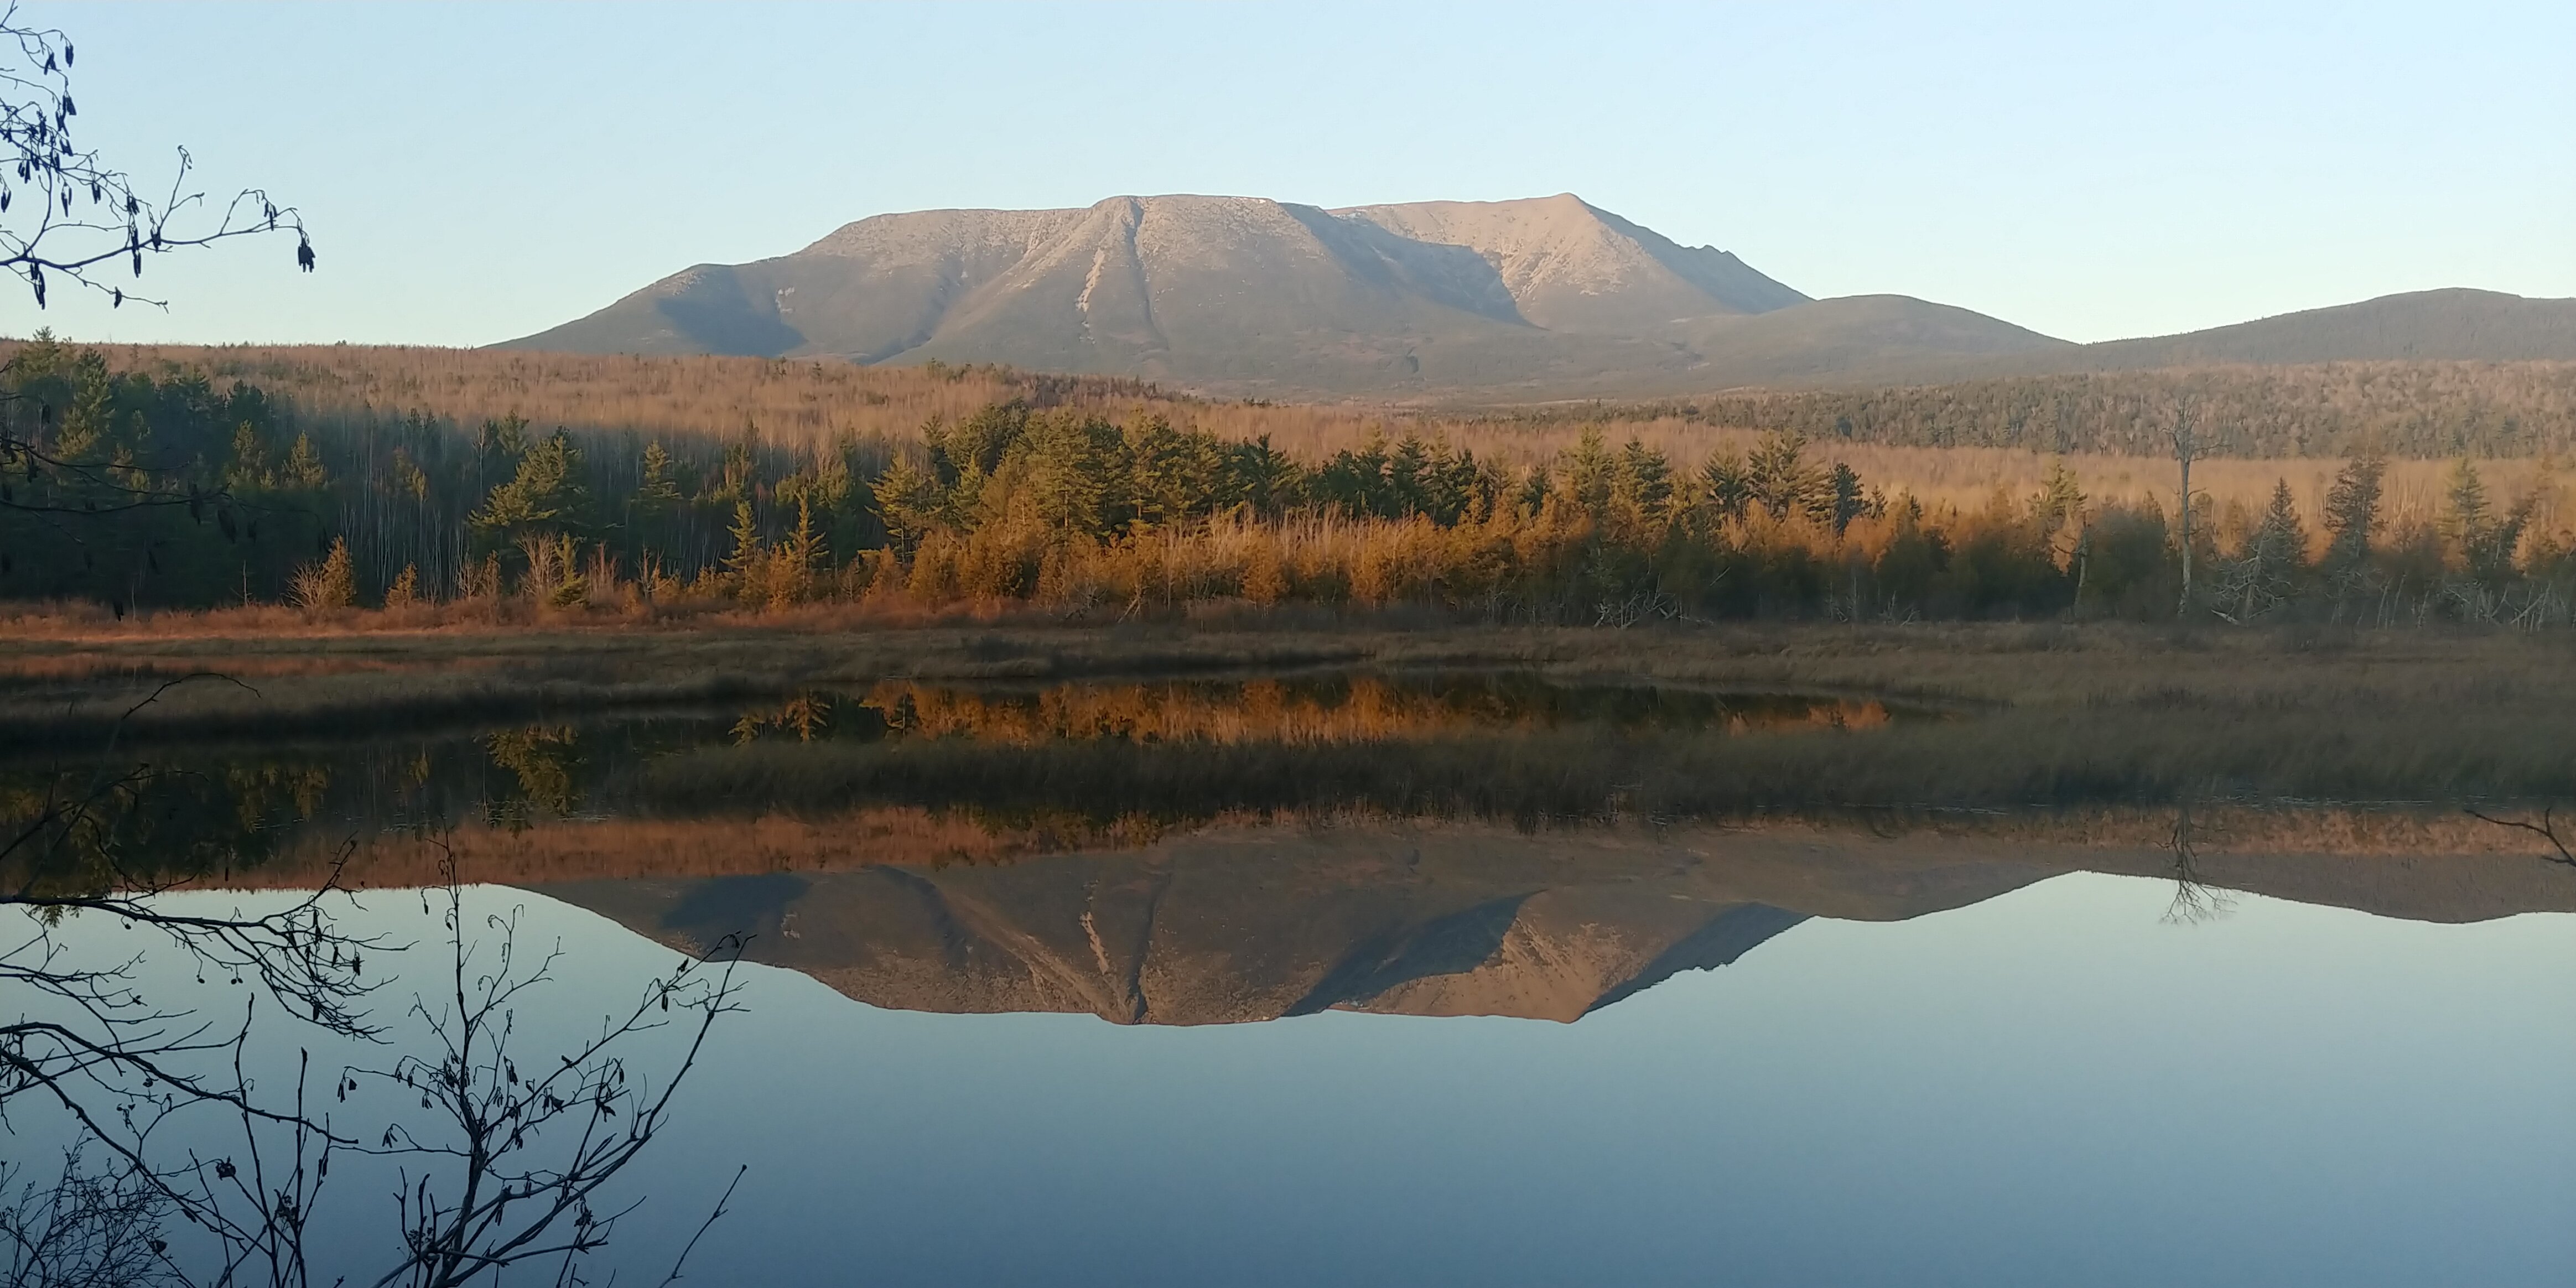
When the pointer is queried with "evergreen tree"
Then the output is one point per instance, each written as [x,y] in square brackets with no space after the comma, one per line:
[1847,501]
[1075,468]
[1729,487]
[1260,477]
[910,502]
[545,496]
[1354,478]
[1589,472]
[1778,478]
[2280,540]
[1641,484]
[2464,513]
[2352,510]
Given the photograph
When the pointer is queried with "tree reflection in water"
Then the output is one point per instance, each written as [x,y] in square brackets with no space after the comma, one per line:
[179,1162]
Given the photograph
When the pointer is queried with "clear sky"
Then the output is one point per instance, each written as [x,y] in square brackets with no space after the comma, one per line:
[476,173]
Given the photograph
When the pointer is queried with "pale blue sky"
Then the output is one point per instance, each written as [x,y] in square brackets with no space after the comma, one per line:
[475,173]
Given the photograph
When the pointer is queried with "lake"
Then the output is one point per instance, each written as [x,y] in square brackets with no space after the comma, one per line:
[1015,1015]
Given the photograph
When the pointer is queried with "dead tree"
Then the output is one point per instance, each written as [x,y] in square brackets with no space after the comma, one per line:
[82,1042]
[2187,447]
[509,1165]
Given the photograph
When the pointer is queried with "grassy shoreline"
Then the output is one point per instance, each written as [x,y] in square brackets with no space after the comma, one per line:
[2050,714]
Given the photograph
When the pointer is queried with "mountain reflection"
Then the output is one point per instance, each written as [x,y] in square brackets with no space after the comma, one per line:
[1202,851]
[1257,923]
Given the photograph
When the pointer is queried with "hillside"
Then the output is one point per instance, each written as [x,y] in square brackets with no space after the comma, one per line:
[1550,297]
[2456,325]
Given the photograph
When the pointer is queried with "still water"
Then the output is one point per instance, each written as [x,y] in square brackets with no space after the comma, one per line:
[1371,1050]
[2049,1087]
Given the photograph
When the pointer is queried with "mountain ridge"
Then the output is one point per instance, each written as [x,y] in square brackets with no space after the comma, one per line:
[1544,298]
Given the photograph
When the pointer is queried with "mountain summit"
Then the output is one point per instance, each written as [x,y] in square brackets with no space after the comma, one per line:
[1544,297]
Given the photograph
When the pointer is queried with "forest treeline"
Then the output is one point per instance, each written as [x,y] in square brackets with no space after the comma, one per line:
[2423,410]
[139,490]
[2403,409]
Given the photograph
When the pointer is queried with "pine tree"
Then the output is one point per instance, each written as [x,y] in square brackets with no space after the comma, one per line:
[909,503]
[545,496]
[1729,489]
[1588,472]
[2352,509]
[1642,481]
[1848,501]
[2280,540]
[2464,515]
[1778,477]
[2060,500]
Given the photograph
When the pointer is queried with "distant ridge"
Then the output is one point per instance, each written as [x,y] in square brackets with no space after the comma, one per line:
[2453,325]
[1548,297]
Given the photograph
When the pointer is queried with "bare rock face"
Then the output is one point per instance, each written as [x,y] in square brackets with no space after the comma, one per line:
[1572,266]
[1245,294]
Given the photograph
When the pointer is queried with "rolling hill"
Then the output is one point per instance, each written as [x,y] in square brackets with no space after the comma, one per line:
[2455,325]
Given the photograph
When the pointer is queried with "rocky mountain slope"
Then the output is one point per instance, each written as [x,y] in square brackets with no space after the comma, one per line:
[1545,297]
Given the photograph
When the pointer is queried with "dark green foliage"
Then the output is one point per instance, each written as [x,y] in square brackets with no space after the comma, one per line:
[1417,477]
[545,497]
[2352,511]
[141,491]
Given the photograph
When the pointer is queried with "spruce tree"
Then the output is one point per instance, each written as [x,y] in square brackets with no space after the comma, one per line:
[2352,510]
[2280,540]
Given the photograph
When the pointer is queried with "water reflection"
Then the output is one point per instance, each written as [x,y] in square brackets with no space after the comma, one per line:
[1805,1053]
[1075,757]
[1255,923]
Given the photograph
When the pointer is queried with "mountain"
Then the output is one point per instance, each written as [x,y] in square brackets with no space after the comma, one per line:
[1550,297]
[1254,924]
[1547,298]
[2455,325]
[1232,925]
